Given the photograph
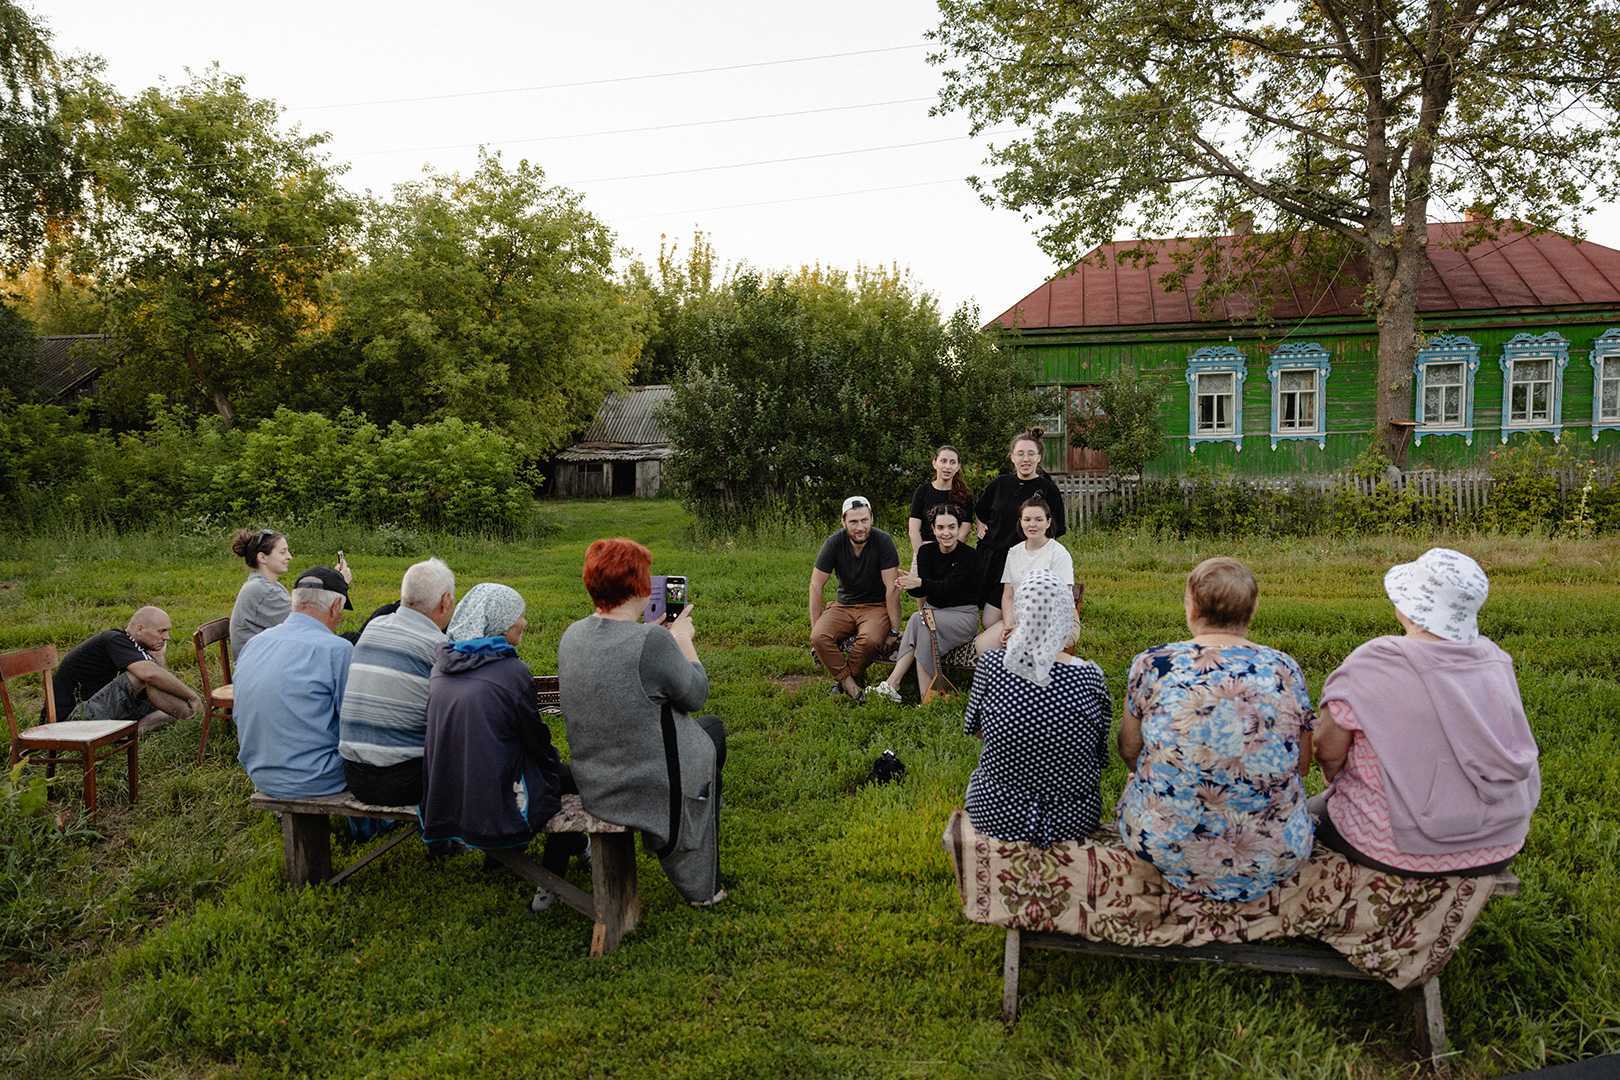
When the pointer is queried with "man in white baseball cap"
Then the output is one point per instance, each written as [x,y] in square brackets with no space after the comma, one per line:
[867,564]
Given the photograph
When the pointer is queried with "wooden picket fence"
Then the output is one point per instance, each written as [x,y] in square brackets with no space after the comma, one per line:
[1085,498]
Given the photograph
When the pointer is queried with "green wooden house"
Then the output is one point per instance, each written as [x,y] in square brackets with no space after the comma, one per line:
[1520,335]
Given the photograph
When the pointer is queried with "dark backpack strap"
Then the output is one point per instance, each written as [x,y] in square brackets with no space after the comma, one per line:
[672,762]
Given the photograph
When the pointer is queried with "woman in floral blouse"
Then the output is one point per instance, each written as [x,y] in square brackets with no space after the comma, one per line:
[1217,733]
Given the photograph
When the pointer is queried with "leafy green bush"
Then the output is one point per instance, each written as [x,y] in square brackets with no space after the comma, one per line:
[292,468]
[1525,495]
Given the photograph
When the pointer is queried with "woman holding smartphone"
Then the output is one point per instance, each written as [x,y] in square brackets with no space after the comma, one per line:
[946,488]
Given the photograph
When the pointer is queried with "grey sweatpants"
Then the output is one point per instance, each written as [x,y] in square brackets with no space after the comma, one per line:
[955,625]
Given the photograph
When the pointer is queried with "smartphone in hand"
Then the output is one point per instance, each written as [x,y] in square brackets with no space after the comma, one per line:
[667,601]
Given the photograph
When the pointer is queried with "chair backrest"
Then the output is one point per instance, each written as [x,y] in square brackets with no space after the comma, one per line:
[13,665]
[548,693]
[209,633]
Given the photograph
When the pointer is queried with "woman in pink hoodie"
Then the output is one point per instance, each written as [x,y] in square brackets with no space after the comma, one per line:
[1424,737]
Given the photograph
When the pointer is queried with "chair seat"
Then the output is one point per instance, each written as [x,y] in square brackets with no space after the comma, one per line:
[223,696]
[76,731]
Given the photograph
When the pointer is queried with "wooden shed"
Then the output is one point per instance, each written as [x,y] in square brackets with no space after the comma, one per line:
[1519,337]
[622,453]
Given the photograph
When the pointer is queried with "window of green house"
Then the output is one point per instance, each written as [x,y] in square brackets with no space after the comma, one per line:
[1444,387]
[1533,383]
[1606,383]
[1298,374]
[1215,396]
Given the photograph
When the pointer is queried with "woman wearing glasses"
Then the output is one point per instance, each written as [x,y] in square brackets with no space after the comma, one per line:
[262,601]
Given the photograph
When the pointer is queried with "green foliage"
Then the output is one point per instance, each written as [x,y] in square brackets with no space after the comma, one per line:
[36,848]
[213,231]
[673,296]
[291,468]
[797,390]
[41,171]
[1124,419]
[19,352]
[1227,508]
[1525,494]
[489,298]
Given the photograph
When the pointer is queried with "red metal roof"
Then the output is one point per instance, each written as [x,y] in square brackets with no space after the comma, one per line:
[1516,268]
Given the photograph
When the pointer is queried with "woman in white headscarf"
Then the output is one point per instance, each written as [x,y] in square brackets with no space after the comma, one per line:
[490,775]
[1044,718]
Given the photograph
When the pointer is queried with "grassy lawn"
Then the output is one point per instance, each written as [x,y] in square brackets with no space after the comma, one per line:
[164,943]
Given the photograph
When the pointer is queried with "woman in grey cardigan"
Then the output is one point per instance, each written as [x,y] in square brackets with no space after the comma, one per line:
[628,689]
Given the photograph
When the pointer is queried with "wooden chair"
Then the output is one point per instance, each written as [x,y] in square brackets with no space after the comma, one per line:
[216,699]
[91,740]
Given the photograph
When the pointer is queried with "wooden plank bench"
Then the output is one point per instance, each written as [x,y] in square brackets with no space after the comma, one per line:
[613,904]
[1421,1002]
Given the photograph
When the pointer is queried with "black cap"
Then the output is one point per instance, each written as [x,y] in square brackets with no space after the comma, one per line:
[324,577]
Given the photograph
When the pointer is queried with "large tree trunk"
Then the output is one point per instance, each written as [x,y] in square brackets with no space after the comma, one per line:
[222,404]
[1395,278]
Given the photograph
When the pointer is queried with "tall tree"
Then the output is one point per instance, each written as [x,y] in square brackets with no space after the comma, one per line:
[41,172]
[795,390]
[488,297]
[214,230]
[1356,120]
[673,293]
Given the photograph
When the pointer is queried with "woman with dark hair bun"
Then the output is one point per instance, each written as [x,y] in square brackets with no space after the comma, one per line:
[262,601]
[999,514]
[945,489]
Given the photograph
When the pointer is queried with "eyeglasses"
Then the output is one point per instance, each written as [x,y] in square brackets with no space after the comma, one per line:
[265,536]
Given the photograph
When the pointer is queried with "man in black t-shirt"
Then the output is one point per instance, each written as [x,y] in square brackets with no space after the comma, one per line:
[868,607]
[119,675]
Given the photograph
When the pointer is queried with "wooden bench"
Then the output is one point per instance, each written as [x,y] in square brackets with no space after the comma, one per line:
[1421,1002]
[613,904]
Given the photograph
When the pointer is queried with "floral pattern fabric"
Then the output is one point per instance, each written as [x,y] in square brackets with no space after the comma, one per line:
[1216,802]
[1399,929]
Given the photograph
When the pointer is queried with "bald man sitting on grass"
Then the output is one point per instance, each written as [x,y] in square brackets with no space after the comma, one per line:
[120,675]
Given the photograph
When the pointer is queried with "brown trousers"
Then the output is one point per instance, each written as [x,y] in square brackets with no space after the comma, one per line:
[869,623]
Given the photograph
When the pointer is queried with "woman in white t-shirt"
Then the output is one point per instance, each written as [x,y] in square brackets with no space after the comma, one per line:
[1038,552]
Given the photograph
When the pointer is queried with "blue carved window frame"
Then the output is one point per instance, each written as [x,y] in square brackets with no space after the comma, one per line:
[1549,346]
[1305,356]
[1446,349]
[1606,347]
[1216,360]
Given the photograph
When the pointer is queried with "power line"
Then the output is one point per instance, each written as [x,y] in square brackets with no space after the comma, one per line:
[645,129]
[774,161]
[795,199]
[612,80]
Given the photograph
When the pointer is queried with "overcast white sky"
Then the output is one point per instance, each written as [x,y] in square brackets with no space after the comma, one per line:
[343,66]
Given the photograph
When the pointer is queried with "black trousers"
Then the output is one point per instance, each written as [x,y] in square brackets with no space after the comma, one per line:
[385,785]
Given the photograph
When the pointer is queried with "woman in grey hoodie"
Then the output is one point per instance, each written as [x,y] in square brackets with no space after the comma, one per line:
[628,691]
[1424,735]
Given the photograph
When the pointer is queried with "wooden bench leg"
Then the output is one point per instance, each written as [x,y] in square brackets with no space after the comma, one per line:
[134,766]
[613,889]
[306,847]
[1428,1021]
[1009,977]
[90,781]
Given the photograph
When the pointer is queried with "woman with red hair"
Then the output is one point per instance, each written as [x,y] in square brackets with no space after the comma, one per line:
[628,690]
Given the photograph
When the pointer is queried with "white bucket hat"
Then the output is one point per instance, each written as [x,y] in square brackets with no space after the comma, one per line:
[1442,591]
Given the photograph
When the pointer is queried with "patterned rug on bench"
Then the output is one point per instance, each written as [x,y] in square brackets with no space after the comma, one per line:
[1399,929]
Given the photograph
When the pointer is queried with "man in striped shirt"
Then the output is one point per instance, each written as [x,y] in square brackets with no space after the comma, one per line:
[383,720]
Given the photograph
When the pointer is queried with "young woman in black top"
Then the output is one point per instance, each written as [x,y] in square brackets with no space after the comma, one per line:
[945,487]
[997,512]
[947,575]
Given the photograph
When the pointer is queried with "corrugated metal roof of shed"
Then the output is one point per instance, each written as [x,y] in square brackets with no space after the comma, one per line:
[629,418]
[1517,268]
[67,361]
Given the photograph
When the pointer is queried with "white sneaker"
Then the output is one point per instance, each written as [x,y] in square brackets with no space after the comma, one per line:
[884,691]
[541,902]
